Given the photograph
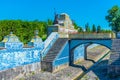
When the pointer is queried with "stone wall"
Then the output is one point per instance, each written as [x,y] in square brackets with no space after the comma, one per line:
[46,66]
[18,72]
[114,60]
[59,67]
[52,28]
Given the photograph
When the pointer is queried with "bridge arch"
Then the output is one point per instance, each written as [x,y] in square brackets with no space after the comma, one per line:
[108,46]
[74,43]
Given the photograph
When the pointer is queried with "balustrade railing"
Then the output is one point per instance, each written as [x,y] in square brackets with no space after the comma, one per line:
[49,42]
[92,35]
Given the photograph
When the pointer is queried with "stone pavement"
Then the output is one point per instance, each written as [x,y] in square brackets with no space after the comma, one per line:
[70,72]
[99,71]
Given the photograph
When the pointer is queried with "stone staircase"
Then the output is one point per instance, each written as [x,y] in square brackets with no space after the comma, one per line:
[116,45]
[114,61]
[46,63]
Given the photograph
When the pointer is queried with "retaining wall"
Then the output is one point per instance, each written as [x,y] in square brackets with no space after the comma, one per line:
[15,62]
[18,72]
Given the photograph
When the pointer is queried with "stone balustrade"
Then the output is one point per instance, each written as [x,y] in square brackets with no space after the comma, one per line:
[49,42]
[92,35]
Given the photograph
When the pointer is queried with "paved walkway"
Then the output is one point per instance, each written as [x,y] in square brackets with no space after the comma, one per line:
[99,72]
[71,72]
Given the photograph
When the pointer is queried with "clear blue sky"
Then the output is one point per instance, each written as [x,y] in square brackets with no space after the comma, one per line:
[81,11]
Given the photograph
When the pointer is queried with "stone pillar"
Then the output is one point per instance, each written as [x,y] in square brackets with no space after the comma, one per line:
[36,41]
[118,35]
[71,57]
[85,50]
[12,42]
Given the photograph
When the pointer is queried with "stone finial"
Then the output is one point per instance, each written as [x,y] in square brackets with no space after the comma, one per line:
[12,42]
[36,33]
[11,32]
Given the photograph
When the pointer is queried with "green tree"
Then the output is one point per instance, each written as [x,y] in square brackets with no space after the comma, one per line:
[49,22]
[113,18]
[98,29]
[80,29]
[75,25]
[93,28]
[23,29]
[87,27]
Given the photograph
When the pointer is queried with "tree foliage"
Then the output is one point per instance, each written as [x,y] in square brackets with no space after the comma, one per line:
[49,22]
[23,29]
[80,29]
[113,18]
[93,28]
[98,29]
[87,28]
[77,27]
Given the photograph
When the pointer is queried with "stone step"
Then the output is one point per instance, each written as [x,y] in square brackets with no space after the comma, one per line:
[48,60]
[116,62]
[115,44]
[116,40]
[54,51]
[115,49]
[114,58]
[51,55]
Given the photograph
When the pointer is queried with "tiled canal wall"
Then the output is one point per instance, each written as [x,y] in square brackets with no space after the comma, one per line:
[62,59]
[13,58]
[14,61]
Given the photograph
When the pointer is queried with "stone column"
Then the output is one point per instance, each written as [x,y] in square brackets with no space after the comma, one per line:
[85,50]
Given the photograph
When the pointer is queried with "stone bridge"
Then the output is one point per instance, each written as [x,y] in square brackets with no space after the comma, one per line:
[63,50]
[74,43]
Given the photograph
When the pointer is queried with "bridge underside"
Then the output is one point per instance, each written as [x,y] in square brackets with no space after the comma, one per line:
[76,42]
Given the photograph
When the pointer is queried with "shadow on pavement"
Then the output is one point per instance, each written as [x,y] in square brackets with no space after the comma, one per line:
[91,60]
[79,66]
